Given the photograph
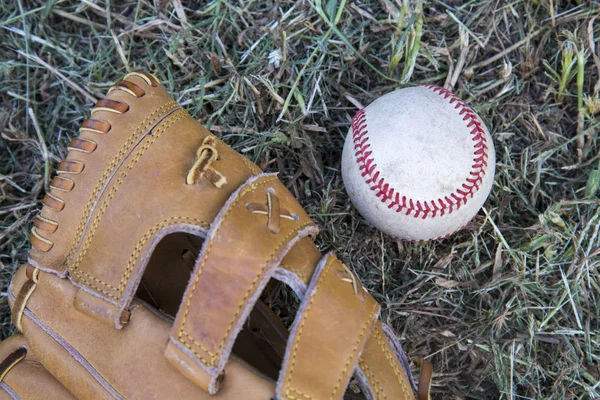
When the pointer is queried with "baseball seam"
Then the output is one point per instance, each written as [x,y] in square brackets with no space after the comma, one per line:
[422,208]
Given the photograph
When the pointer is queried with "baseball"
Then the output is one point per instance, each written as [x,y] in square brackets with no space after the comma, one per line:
[418,163]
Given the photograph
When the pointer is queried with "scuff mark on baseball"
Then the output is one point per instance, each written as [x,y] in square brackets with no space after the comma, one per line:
[418,163]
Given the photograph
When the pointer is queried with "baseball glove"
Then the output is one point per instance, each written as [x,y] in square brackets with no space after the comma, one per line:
[148,261]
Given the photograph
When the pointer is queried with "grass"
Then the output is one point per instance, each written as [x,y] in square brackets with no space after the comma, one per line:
[509,307]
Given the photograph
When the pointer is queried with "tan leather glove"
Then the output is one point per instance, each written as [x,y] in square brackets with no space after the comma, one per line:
[148,259]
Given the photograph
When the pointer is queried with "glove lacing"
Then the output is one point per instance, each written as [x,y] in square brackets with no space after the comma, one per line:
[61,182]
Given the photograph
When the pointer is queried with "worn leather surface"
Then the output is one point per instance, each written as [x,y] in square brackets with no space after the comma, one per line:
[125,232]
[24,377]
[316,334]
[226,290]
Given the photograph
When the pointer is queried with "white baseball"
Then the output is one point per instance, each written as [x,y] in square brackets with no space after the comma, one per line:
[418,163]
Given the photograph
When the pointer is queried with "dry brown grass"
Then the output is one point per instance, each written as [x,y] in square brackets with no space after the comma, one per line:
[508,308]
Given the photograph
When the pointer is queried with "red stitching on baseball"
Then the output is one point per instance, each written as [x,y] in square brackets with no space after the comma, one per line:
[422,208]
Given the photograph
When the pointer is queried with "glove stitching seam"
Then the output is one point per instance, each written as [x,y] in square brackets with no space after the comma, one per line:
[291,397]
[137,250]
[367,323]
[292,269]
[390,359]
[371,376]
[300,331]
[253,168]
[240,306]
[209,249]
[142,241]
[75,267]
[122,152]
[176,117]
